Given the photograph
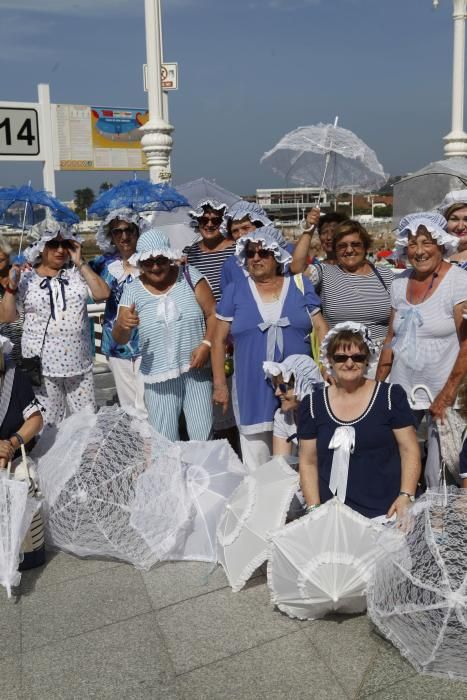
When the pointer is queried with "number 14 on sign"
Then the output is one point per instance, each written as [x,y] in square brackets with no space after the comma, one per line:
[19,132]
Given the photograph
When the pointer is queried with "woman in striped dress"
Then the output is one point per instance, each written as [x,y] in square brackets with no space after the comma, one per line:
[174,310]
[353,289]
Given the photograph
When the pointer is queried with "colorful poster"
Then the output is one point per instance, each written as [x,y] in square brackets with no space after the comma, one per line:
[100,138]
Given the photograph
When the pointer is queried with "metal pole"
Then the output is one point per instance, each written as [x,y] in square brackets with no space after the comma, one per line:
[156,141]
[46,135]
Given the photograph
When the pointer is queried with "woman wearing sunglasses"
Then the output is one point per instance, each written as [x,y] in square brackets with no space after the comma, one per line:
[117,236]
[53,296]
[270,316]
[174,311]
[357,437]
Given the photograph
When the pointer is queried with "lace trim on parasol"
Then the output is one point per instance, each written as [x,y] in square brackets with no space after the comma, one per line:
[247,484]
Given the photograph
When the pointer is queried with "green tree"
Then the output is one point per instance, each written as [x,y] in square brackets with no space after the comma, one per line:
[104,186]
[83,199]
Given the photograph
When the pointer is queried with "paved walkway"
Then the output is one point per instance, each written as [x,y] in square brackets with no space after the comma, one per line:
[101,629]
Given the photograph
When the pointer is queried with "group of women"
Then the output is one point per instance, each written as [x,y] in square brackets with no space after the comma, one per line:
[171,316]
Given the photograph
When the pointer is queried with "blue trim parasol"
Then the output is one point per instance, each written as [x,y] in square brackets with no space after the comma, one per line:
[138,195]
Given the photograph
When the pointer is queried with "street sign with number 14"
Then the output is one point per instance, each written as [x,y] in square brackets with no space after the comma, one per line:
[19,132]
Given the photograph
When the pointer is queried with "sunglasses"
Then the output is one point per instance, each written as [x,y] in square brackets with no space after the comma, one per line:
[205,221]
[55,245]
[340,358]
[150,262]
[284,386]
[261,253]
[128,231]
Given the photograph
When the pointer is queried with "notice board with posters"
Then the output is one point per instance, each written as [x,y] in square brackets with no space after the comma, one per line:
[99,138]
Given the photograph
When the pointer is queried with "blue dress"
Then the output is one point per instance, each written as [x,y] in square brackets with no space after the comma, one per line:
[253,397]
[375,466]
[231,271]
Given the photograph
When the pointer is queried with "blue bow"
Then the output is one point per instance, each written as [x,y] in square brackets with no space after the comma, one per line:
[47,284]
[405,343]
[275,337]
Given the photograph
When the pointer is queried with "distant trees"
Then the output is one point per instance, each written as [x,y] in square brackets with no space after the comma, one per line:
[103,187]
[83,199]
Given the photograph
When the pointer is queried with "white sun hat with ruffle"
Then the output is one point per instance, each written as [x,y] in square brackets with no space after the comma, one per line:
[354,327]
[204,204]
[302,368]
[453,197]
[103,237]
[46,231]
[151,244]
[239,210]
[270,239]
[435,224]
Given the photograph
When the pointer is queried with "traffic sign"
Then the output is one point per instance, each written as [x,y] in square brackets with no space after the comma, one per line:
[169,76]
[19,132]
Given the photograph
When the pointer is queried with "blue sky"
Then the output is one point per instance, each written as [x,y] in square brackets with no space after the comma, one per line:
[250,71]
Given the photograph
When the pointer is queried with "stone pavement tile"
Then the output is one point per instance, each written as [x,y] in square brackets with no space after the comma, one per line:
[423,688]
[61,567]
[173,582]
[213,626]
[10,677]
[104,663]
[288,667]
[82,604]
[10,627]
[347,644]
[388,668]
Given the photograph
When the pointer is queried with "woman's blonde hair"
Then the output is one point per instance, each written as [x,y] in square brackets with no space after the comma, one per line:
[5,247]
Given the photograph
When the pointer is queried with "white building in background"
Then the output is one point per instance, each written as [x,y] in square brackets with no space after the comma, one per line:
[288,205]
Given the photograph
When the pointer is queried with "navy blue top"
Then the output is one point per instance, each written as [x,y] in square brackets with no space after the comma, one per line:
[463,458]
[375,466]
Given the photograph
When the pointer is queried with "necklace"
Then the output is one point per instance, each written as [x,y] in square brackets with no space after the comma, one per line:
[428,289]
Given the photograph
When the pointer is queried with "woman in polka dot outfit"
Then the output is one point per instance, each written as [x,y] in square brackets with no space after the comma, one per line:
[53,296]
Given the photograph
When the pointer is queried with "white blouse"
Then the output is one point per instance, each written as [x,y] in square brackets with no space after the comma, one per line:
[56,325]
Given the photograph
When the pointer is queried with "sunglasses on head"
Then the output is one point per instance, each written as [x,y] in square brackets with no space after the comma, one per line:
[128,231]
[340,358]
[205,221]
[261,252]
[55,245]
[150,262]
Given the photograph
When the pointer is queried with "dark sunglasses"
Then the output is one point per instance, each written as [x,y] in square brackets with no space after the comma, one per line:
[261,252]
[55,245]
[340,358]
[284,386]
[150,262]
[205,221]
[128,231]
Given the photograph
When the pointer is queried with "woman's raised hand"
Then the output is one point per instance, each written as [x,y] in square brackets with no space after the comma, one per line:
[128,318]
[75,252]
[312,218]
[14,276]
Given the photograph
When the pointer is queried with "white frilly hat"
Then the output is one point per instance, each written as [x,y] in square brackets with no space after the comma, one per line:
[239,210]
[303,369]
[204,204]
[435,224]
[270,239]
[6,346]
[454,197]
[103,238]
[355,327]
[152,243]
[46,231]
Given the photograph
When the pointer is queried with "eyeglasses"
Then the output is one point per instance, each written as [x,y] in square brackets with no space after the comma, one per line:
[358,358]
[150,262]
[205,221]
[55,245]
[260,252]
[355,245]
[284,386]
[128,231]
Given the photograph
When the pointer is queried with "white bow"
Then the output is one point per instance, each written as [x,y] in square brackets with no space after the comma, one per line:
[343,443]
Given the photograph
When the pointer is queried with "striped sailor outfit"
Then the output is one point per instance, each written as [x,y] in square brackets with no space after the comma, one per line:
[171,326]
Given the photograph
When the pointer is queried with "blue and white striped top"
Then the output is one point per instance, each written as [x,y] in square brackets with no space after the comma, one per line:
[171,326]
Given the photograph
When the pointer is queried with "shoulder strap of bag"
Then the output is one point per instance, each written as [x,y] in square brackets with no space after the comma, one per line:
[7,389]
[186,273]
[379,276]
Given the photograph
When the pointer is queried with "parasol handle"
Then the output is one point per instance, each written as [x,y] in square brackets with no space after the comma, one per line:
[328,156]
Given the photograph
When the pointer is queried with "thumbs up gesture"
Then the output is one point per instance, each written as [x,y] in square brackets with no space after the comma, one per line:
[128,317]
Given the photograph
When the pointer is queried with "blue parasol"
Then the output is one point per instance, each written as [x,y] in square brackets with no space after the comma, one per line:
[22,207]
[139,195]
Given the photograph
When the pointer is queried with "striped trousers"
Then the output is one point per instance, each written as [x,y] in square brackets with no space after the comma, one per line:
[190,393]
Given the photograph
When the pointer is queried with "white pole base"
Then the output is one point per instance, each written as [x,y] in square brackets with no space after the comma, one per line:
[455,144]
[157,145]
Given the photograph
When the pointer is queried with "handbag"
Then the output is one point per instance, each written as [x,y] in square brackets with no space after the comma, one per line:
[33,365]
[33,545]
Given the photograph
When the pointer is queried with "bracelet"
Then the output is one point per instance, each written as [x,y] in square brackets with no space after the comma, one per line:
[207,342]
[410,496]
[18,437]
[310,509]
[10,290]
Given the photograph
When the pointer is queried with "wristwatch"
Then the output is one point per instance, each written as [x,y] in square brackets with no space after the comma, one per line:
[409,496]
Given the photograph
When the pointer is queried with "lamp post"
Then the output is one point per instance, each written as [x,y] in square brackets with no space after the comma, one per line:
[456,140]
[156,141]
